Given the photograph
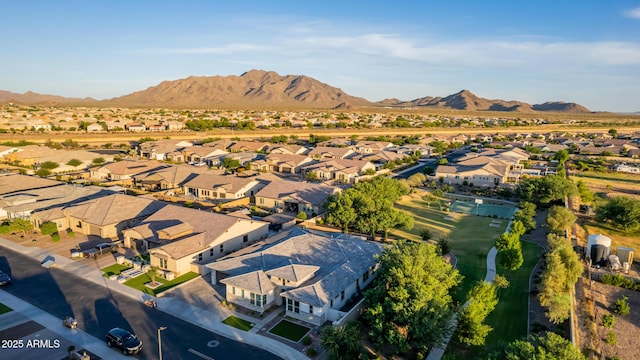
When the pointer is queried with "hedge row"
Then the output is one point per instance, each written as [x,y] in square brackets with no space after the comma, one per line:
[620,281]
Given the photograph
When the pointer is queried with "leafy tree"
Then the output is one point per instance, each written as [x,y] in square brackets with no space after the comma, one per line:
[510,248]
[368,206]
[230,164]
[49,165]
[21,224]
[481,301]
[545,190]
[416,180]
[526,215]
[561,156]
[43,172]
[621,211]
[562,270]
[410,301]
[559,219]
[341,210]
[301,215]
[311,175]
[74,162]
[342,342]
[425,234]
[444,246]
[547,346]
[48,228]
[98,161]
[511,258]
[586,195]
[613,133]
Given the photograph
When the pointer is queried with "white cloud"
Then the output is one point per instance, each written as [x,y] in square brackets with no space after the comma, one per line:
[633,13]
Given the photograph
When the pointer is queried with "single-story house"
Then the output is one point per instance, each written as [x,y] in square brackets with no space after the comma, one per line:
[313,275]
[211,186]
[293,196]
[180,240]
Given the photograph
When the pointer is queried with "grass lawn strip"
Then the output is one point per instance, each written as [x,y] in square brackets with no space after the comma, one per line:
[289,330]
[238,323]
[4,308]
[114,269]
[139,281]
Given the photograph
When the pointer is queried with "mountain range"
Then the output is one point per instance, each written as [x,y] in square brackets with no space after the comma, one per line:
[268,89]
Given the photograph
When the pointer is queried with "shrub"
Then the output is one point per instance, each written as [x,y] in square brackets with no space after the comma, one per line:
[5,229]
[55,237]
[71,233]
[311,352]
[48,228]
[306,341]
[620,281]
[611,338]
[621,306]
[608,320]
[425,234]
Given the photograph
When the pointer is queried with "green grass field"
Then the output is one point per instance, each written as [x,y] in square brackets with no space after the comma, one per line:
[471,238]
[289,330]
[114,269]
[139,281]
[238,323]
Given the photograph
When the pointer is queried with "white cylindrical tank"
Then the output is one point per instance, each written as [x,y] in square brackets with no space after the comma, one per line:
[598,239]
[625,267]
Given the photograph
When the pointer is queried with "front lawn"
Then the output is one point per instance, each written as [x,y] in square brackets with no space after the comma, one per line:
[238,323]
[139,281]
[114,269]
[289,330]
[4,308]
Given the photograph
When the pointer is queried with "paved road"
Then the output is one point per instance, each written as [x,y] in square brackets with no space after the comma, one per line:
[97,310]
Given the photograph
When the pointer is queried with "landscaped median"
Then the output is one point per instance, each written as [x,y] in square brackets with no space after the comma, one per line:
[139,281]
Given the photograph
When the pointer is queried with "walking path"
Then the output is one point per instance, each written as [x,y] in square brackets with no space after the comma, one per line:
[209,319]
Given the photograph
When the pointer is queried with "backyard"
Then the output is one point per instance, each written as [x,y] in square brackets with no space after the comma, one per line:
[471,238]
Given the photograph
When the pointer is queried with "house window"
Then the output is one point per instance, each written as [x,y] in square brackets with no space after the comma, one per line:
[293,306]
[233,290]
[242,293]
[264,299]
[200,257]
[211,252]
[331,303]
[261,201]
[245,238]
[342,295]
[221,248]
[163,263]
[284,282]
[365,276]
[311,309]
[252,296]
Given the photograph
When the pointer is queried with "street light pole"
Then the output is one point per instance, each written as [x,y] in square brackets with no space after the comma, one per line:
[160,341]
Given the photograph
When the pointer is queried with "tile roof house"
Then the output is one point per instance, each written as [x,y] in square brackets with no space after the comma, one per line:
[211,186]
[487,168]
[159,149]
[288,149]
[369,147]
[323,152]
[125,169]
[14,183]
[22,203]
[180,240]
[313,275]
[340,170]
[172,177]
[293,196]
[283,163]
[105,217]
[241,146]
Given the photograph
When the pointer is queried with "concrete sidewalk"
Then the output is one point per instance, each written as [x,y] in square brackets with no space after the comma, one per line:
[209,319]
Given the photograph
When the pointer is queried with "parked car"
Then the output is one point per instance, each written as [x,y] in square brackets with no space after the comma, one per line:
[124,340]
[5,279]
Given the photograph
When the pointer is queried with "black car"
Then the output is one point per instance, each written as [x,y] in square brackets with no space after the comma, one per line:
[5,279]
[124,340]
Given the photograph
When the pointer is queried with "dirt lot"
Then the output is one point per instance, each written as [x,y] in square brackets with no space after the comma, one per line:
[598,300]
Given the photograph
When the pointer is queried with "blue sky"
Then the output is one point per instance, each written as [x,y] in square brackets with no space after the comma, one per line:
[580,51]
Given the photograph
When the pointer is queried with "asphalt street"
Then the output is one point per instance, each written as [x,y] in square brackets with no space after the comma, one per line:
[97,310]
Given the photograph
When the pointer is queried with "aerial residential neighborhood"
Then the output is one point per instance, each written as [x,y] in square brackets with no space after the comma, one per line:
[206,180]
